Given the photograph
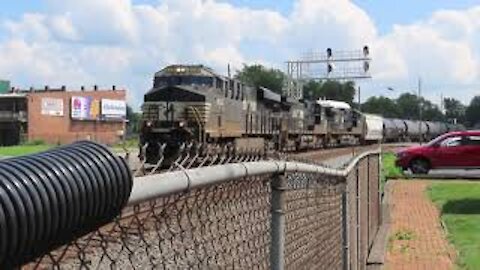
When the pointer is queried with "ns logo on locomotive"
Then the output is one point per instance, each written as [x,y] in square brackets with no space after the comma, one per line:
[193,104]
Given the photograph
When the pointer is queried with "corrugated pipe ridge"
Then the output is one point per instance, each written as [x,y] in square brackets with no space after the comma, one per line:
[48,199]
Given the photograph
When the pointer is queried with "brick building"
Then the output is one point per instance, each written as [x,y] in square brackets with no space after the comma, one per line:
[62,116]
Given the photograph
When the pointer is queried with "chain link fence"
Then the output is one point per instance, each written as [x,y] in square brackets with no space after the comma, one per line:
[298,219]
[362,210]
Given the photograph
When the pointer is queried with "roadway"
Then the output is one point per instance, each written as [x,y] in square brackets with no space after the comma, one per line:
[341,161]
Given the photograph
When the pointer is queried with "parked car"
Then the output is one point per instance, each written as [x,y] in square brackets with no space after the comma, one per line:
[459,150]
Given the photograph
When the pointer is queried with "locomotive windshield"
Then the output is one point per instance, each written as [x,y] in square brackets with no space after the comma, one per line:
[182,80]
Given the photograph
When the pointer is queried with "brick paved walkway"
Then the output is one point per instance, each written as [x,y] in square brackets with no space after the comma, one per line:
[416,238]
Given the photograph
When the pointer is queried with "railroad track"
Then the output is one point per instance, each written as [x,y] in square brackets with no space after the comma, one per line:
[191,158]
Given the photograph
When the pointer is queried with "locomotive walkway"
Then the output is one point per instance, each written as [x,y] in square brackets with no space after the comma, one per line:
[416,238]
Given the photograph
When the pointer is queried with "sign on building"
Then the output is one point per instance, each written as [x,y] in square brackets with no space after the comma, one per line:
[4,86]
[52,106]
[85,108]
[113,109]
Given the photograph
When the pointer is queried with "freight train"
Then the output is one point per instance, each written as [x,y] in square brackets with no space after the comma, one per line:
[192,103]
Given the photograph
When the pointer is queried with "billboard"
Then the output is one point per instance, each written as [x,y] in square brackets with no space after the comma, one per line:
[113,109]
[4,87]
[85,108]
[52,106]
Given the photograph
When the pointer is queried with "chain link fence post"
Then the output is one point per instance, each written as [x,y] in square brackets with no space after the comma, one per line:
[346,260]
[357,211]
[380,187]
[277,252]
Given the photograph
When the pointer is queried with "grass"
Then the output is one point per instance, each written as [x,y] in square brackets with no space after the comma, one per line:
[26,149]
[131,143]
[400,241]
[389,170]
[460,207]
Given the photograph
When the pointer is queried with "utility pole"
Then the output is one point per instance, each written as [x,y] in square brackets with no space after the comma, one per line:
[359,101]
[442,104]
[420,108]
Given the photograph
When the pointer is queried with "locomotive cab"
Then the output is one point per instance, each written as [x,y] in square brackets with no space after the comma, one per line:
[190,104]
[176,108]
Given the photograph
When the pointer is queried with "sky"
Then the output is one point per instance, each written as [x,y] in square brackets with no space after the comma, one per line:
[123,42]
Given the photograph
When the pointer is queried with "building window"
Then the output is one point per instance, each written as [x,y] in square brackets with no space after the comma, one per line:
[226,91]
[219,84]
[239,89]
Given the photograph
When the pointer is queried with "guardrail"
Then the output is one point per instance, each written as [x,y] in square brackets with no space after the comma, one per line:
[265,214]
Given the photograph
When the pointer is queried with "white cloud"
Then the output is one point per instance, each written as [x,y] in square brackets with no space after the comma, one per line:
[39,64]
[117,42]
[32,27]
[428,53]
[62,27]
[100,22]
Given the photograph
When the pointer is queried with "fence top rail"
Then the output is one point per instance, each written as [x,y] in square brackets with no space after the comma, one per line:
[153,186]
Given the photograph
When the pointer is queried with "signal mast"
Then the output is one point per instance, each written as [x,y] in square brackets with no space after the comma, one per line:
[328,65]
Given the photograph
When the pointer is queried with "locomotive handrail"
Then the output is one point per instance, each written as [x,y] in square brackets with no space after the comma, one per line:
[153,186]
[199,122]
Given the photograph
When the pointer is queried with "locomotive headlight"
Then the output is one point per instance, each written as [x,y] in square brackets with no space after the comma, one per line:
[149,123]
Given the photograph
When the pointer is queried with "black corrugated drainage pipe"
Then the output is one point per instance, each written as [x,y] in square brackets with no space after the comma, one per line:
[50,198]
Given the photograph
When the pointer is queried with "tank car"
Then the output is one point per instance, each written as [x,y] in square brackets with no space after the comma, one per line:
[391,131]
[373,128]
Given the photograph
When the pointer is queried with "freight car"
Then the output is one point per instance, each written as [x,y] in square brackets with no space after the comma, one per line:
[401,130]
[194,104]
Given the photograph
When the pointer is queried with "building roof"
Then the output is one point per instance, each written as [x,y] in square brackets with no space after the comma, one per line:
[186,70]
[13,95]
[270,95]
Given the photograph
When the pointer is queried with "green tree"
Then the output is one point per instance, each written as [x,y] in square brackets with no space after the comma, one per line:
[381,105]
[258,75]
[454,109]
[332,90]
[312,90]
[407,105]
[472,113]
[133,120]
[431,112]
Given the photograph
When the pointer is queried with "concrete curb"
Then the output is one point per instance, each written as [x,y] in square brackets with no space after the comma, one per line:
[377,254]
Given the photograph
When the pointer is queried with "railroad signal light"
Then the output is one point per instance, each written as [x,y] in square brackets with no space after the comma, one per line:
[366,66]
[330,68]
[366,51]
[329,53]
